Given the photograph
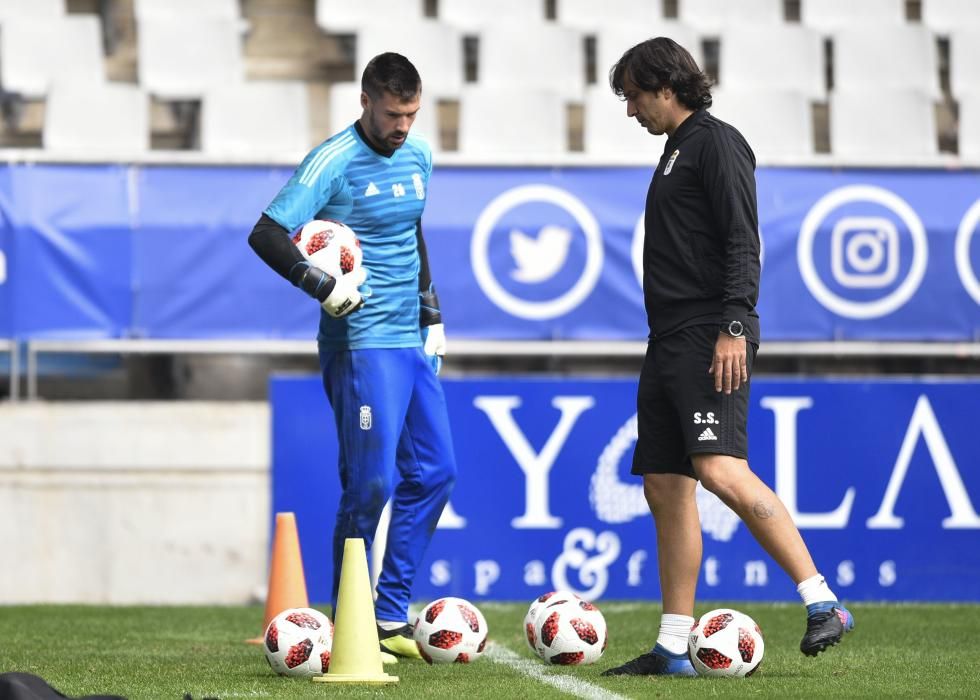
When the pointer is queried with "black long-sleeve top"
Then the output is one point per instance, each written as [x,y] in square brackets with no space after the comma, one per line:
[701,245]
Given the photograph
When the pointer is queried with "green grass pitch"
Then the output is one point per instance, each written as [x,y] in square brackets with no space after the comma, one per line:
[896,651]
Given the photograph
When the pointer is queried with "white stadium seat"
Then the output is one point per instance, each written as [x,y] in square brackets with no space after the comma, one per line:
[746,61]
[829,15]
[970,128]
[964,61]
[778,124]
[711,16]
[436,50]
[509,122]
[182,60]
[345,108]
[188,10]
[36,52]
[886,126]
[945,16]
[260,120]
[887,57]
[474,14]
[610,133]
[111,119]
[611,41]
[351,16]
[533,56]
[41,9]
[586,16]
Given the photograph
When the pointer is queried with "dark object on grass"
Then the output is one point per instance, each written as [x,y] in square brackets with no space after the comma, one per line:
[24,686]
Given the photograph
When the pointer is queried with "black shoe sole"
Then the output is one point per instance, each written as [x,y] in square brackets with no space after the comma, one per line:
[817,648]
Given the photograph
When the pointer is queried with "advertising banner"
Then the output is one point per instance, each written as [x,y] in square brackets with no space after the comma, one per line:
[516,253]
[880,477]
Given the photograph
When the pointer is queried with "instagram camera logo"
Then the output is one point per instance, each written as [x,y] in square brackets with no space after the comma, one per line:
[864,252]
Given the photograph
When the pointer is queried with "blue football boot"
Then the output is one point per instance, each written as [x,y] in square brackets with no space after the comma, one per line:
[826,624]
[656,662]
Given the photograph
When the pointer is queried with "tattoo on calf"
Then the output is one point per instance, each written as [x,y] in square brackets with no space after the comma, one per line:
[762,510]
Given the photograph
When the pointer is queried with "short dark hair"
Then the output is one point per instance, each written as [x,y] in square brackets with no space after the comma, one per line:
[391,72]
[661,62]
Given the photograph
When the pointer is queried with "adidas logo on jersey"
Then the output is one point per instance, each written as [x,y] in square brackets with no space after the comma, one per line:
[707,435]
[371,190]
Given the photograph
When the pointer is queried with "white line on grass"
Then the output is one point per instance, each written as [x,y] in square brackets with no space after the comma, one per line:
[534,669]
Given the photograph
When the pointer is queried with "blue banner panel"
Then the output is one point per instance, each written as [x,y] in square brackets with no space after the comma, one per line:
[67,248]
[198,277]
[516,253]
[881,478]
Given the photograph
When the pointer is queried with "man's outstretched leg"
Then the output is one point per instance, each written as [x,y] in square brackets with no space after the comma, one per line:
[675,512]
[731,479]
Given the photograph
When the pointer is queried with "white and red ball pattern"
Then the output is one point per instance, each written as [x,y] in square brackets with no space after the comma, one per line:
[330,245]
[726,642]
[571,633]
[298,642]
[549,599]
[450,630]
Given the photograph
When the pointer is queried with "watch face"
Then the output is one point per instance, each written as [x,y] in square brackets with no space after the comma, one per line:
[735,329]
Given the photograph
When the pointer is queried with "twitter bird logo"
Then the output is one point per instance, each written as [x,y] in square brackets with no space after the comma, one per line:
[538,259]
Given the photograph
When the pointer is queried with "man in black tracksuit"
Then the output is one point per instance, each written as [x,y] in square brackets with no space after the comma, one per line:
[700,285]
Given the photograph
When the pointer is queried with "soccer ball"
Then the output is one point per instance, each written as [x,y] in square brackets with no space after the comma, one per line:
[450,630]
[549,599]
[298,641]
[330,245]
[571,633]
[726,643]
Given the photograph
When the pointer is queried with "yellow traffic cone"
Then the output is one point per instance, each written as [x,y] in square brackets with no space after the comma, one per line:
[287,584]
[356,653]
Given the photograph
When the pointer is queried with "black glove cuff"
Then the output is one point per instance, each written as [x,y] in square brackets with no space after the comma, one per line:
[429,314]
[312,280]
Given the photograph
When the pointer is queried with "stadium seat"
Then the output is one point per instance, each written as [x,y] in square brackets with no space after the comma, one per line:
[181,60]
[435,48]
[613,40]
[945,16]
[36,52]
[351,16]
[778,124]
[610,133]
[540,56]
[186,9]
[260,120]
[582,14]
[345,108]
[711,16]
[10,9]
[491,124]
[970,128]
[108,119]
[829,15]
[964,61]
[874,58]
[746,60]
[474,14]
[883,126]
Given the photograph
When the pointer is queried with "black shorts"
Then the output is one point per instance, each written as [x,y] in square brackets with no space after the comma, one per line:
[679,413]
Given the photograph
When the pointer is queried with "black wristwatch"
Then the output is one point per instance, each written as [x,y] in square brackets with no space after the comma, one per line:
[733,328]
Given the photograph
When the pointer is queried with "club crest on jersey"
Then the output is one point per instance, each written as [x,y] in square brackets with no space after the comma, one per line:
[398,189]
[670,163]
[365,418]
[419,187]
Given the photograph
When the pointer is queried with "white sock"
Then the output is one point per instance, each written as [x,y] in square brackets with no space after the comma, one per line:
[388,625]
[815,590]
[674,630]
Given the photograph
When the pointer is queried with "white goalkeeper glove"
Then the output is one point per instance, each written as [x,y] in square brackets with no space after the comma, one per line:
[345,298]
[434,344]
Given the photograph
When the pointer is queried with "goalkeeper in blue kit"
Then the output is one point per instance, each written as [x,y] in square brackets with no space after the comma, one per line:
[379,354]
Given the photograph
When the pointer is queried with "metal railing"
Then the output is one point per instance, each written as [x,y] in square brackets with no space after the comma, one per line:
[461,347]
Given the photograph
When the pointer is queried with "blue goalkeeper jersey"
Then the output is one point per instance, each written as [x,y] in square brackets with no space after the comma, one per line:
[381,198]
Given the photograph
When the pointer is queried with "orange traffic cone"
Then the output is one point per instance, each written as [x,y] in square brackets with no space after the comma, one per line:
[287,585]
